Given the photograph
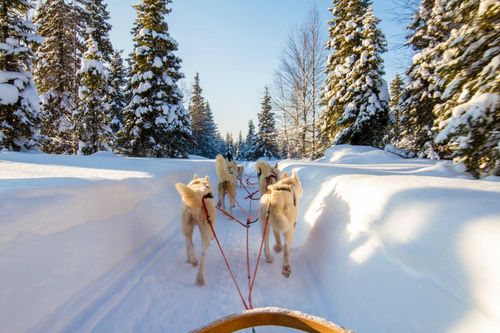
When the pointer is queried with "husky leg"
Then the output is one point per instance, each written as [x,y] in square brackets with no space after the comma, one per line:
[263,217]
[287,269]
[277,245]
[188,234]
[205,242]
[267,252]
[232,198]
[220,202]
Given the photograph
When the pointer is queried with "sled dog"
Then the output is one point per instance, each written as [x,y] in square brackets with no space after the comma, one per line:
[241,170]
[226,174]
[279,206]
[267,175]
[193,213]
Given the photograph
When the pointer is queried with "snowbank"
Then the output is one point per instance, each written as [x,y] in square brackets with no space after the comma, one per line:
[71,225]
[399,253]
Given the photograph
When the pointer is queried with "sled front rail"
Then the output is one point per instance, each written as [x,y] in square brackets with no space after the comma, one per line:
[271,317]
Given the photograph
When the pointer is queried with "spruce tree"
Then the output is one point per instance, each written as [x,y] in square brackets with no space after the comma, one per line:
[239,147]
[266,145]
[19,101]
[197,114]
[229,143]
[92,115]
[356,97]
[55,74]
[396,91]
[468,117]
[156,123]
[249,148]
[116,96]
[96,16]
[210,133]
[429,27]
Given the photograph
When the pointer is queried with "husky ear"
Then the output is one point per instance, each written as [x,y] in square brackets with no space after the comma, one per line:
[285,175]
[294,174]
[206,178]
[276,165]
[195,176]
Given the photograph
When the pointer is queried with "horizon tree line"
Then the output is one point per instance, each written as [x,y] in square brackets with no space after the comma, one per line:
[326,91]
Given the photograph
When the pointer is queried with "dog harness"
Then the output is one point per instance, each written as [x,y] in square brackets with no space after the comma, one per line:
[286,188]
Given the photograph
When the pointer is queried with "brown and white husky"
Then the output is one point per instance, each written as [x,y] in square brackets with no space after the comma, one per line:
[279,206]
[267,175]
[226,183]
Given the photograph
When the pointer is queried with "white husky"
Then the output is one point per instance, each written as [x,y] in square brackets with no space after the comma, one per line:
[193,213]
[226,174]
[267,175]
[241,171]
[279,206]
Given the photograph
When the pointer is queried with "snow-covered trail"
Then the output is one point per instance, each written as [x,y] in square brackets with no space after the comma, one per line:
[382,245]
[158,293]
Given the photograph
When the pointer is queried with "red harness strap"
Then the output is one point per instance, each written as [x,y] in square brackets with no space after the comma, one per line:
[251,280]
[222,252]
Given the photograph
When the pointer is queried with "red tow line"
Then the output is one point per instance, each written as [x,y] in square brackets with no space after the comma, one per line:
[251,280]
[223,255]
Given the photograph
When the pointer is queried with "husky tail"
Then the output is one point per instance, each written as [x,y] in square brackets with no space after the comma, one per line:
[262,168]
[221,169]
[190,198]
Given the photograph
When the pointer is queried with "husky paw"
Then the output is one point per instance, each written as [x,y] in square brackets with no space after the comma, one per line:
[269,259]
[193,262]
[277,248]
[200,281]
[287,270]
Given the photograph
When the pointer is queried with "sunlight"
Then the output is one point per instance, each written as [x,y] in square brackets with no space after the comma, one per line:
[365,251]
[479,249]
[317,205]
[14,170]
[406,223]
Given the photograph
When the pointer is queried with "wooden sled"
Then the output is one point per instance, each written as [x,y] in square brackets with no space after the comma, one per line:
[271,317]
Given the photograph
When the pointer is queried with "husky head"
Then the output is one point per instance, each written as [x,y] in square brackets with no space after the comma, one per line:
[201,184]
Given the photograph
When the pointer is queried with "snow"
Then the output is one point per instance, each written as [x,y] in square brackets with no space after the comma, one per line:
[9,94]
[157,62]
[484,5]
[93,66]
[383,244]
[478,107]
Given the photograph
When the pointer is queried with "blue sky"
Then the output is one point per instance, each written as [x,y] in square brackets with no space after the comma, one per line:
[235,46]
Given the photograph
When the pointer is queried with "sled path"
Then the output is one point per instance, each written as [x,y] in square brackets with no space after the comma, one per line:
[382,245]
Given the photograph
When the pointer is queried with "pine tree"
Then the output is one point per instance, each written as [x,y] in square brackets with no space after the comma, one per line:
[116,97]
[396,91]
[266,145]
[239,147]
[248,151]
[19,101]
[430,26]
[356,97]
[468,117]
[197,114]
[229,143]
[92,114]
[96,17]
[210,133]
[156,123]
[55,73]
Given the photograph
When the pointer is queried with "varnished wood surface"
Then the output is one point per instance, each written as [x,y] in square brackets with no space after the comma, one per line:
[281,318]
